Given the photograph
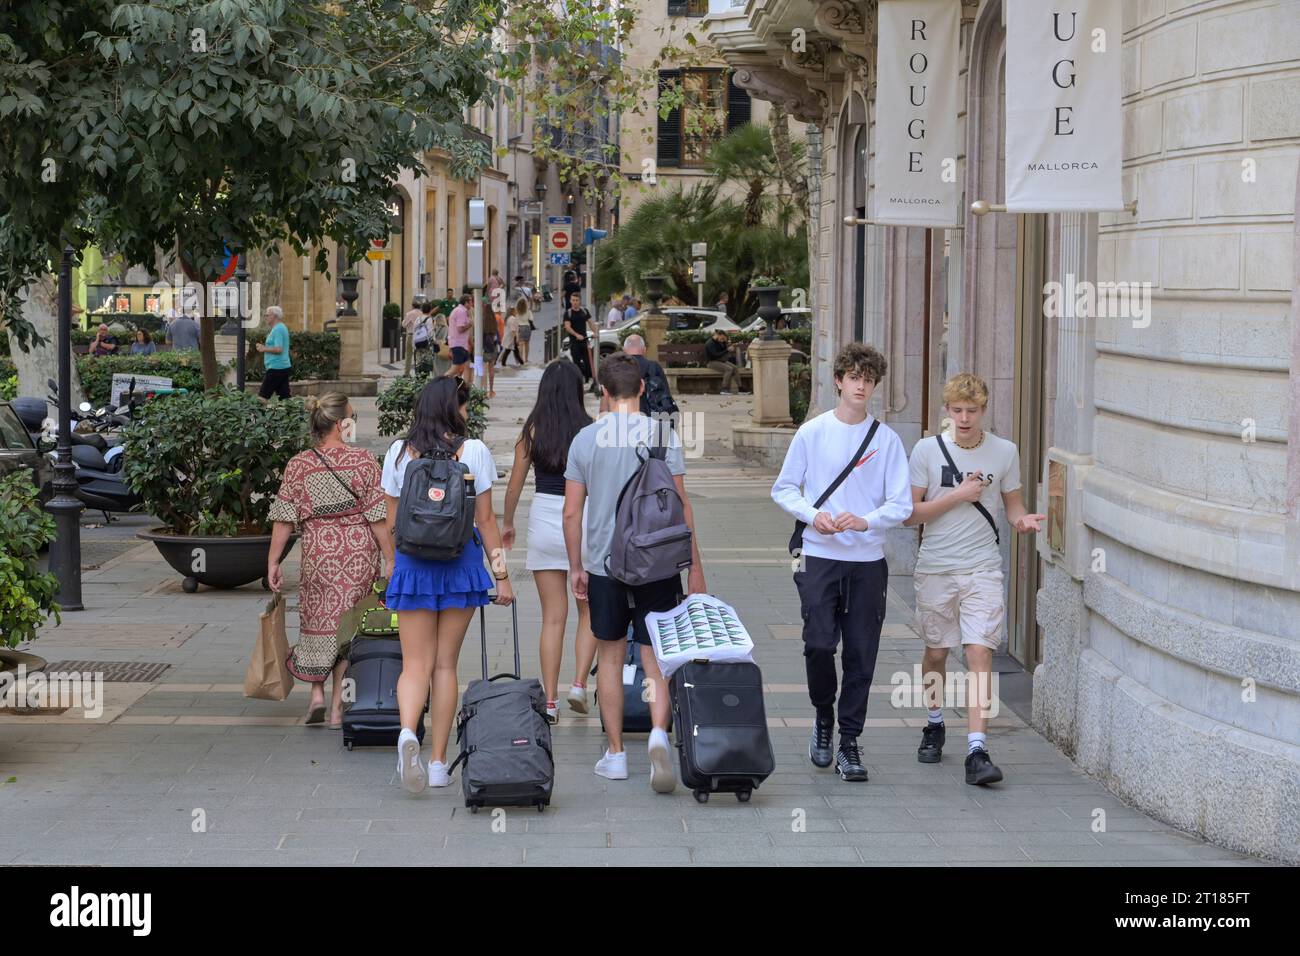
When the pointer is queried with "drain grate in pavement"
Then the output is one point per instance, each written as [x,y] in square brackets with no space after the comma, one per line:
[113,672]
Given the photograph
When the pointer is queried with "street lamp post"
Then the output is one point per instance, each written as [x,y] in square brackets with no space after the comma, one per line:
[65,550]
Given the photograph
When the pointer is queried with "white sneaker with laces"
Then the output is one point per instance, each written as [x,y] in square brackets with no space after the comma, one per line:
[662,777]
[578,698]
[409,766]
[438,775]
[612,766]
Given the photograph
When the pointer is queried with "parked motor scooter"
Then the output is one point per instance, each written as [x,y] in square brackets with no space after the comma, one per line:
[97,467]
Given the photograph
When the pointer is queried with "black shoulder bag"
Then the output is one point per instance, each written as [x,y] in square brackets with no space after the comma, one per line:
[796,539]
[997,539]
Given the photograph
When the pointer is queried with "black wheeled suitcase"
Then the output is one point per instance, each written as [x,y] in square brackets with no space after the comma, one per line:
[372,719]
[722,733]
[505,742]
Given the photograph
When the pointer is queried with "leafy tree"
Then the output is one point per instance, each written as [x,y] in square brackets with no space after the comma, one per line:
[193,125]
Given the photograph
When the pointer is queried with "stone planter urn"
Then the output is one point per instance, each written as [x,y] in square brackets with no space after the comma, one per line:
[771,359]
[769,307]
[654,325]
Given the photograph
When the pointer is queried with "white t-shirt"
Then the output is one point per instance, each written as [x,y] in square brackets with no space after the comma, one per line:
[961,541]
[474,455]
[613,317]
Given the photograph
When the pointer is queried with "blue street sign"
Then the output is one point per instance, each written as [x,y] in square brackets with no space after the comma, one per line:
[561,258]
[593,235]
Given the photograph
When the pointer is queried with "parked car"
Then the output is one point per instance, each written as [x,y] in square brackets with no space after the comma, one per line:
[18,451]
[794,319]
[680,319]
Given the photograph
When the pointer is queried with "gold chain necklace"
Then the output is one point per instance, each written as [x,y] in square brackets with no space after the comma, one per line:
[969,447]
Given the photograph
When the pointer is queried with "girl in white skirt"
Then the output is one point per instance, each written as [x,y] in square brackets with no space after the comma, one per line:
[557,416]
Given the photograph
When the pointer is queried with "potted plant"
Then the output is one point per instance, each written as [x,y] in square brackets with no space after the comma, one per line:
[208,465]
[26,593]
[768,288]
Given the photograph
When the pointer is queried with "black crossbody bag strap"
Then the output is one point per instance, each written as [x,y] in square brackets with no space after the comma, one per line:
[796,539]
[997,539]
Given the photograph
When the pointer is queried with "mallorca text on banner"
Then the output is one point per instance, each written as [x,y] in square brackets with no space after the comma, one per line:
[916,113]
[1063,106]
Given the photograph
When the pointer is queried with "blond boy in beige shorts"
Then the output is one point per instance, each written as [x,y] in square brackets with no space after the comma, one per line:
[958,479]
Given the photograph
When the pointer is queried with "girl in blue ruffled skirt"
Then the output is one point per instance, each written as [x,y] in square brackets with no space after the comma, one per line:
[435,600]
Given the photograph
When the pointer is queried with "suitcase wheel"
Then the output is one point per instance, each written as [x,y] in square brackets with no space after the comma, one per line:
[702,796]
[348,744]
[541,807]
[473,808]
[744,795]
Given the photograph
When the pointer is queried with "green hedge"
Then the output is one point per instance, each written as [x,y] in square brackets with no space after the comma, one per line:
[396,405]
[27,592]
[315,355]
[800,391]
[185,369]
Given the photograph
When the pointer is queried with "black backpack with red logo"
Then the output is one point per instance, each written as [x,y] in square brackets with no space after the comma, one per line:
[435,514]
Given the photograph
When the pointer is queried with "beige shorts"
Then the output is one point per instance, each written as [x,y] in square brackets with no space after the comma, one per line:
[955,609]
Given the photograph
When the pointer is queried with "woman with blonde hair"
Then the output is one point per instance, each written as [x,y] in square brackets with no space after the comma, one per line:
[331,492]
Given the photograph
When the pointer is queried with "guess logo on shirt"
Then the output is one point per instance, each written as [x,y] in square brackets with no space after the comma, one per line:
[951,477]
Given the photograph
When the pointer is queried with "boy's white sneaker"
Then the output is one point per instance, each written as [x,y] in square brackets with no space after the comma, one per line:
[438,775]
[612,766]
[409,766]
[578,698]
[662,777]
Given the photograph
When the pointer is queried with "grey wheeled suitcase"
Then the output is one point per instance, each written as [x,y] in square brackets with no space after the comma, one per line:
[721,728]
[505,742]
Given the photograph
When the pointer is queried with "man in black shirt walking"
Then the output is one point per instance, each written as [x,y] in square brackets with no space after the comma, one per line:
[576,320]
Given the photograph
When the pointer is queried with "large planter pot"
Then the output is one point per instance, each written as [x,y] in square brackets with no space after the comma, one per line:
[769,307]
[223,562]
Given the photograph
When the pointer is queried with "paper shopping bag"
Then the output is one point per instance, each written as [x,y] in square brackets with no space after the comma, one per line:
[267,678]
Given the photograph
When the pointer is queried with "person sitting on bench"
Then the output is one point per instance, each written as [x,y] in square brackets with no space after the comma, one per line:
[720,358]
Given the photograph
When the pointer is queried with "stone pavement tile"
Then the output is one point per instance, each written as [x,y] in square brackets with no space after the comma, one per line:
[1024,838]
[1198,864]
[549,823]
[516,836]
[217,856]
[814,838]
[410,856]
[582,856]
[756,838]
[208,841]
[776,854]
[921,855]
[1118,853]
[812,824]
[167,856]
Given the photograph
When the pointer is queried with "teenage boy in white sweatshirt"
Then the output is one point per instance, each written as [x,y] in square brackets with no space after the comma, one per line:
[843,577]
[958,576]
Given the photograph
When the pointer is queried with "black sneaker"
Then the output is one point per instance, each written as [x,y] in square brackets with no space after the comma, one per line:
[980,769]
[931,748]
[819,746]
[848,761]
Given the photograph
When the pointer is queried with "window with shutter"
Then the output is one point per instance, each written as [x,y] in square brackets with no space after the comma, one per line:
[669,151]
[677,8]
[739,104]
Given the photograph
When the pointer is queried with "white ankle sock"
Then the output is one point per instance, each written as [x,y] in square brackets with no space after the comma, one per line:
[976,741]
[936,715]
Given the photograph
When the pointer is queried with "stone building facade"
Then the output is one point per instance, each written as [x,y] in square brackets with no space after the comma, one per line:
[1160,613]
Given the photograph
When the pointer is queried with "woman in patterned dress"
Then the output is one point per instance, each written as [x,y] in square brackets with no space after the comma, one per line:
[332,493]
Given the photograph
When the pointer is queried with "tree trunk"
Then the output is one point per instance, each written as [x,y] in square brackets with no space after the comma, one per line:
[207,328]
[265,269]
[784,153]
[41,362]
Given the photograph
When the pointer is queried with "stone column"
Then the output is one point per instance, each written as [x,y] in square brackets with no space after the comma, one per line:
[351,363]
[225,348]
[771,360]
[653,329]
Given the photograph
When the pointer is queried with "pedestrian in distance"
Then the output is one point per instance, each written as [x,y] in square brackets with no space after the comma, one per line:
[556,417]
[275,352]
[614,316]
[491,347]
[104,342]
[510,342]
[460,325]
[656,396]
[525,328]
[845,482]
[604,456]
[721,358]
[957,480]
[577,322]
[330,493]
[143,344]
[183,334]
[435,600]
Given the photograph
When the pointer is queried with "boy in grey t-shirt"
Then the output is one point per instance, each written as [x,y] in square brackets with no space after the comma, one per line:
[602,459]
[958,577]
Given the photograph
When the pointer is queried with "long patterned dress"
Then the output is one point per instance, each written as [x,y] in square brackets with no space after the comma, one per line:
[340,559]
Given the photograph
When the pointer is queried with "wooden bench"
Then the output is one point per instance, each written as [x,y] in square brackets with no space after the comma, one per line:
[703,381]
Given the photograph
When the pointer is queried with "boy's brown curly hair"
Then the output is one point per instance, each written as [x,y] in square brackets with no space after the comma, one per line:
[863,359]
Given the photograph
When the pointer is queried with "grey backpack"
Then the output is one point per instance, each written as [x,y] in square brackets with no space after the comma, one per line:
[435,515]
[652,541]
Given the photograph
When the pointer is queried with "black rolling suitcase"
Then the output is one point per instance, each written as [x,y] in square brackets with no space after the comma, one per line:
[372,719]
[505,742]
[721,728]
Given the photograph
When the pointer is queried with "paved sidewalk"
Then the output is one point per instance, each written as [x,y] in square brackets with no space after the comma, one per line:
[185,770]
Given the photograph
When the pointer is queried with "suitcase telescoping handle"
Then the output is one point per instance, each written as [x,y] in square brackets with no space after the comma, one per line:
[514,625]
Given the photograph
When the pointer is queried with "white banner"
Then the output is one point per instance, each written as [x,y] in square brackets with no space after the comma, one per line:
[916,113]
[1063,106]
